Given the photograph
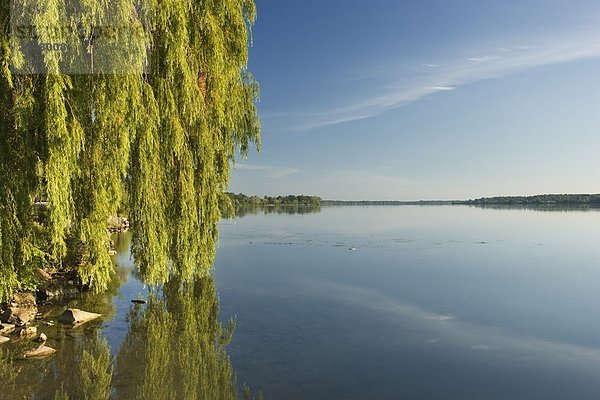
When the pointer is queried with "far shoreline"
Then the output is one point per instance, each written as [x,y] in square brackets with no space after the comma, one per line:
[589,200]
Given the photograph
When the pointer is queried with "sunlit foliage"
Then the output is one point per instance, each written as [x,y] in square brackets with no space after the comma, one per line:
[155,136]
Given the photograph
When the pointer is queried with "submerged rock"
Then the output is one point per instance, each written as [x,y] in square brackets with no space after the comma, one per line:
[73,316]
[21,310]
[42,351]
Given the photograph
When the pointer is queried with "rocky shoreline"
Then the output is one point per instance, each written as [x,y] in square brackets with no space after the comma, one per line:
[20,319]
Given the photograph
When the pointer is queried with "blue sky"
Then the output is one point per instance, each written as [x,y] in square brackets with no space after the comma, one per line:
[444,99]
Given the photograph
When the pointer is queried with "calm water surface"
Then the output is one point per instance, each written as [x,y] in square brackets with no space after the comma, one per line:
[409,302]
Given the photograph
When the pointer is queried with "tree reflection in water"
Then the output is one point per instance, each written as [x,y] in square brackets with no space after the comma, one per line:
[82,370]
[85,372]
[8,374]
[176,347]
[244,210]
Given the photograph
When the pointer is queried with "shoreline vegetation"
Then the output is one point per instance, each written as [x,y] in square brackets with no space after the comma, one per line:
[541,200]
[241,200]
[592,200]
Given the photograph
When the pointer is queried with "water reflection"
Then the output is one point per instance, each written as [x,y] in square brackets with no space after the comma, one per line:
[80,370]
[176,347]
[83,371]
[75,371]
[8,373]
[242,211]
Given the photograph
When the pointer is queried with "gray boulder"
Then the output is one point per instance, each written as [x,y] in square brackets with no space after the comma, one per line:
[6,329]
[40,352]
[21,310]
[73,316]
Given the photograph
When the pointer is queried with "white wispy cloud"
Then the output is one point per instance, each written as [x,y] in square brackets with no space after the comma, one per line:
[511,57]
[483,59]
[443,88]
[267,171]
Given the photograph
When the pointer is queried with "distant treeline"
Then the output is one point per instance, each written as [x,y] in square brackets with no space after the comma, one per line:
[385,203]
[240,199]
[545,199]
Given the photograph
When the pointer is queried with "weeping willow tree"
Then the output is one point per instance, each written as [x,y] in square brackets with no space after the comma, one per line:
[143,109]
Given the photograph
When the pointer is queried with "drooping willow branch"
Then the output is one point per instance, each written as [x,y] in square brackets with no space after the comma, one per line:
[152,132]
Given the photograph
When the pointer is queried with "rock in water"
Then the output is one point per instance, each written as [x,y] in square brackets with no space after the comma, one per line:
[6,329]
[21,310]
[4,339]
[28,331]
[42,351]
[41,339]
[73,316]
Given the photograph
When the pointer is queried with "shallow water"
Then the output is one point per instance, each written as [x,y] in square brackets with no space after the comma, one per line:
[386,302]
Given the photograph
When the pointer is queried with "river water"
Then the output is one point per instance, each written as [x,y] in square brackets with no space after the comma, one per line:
[351,302]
